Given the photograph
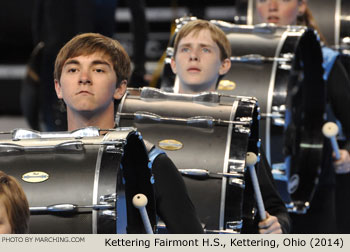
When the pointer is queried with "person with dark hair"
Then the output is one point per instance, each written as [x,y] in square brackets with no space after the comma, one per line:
[91,73]
[321,218]
[201,55]
[54,23]
[14,209]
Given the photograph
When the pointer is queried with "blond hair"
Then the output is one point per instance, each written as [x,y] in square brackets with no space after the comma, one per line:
[218,36]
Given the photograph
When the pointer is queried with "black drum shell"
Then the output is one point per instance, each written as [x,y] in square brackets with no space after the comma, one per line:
[81,177]
[202,148]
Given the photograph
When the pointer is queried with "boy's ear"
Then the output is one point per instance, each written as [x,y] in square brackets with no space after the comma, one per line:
[173,65]
[225,66]
[120,91]
[58,89]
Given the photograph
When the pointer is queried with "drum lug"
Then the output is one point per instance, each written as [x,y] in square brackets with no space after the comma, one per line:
[108,198]
[236,226]
[236,182]
[285,66]
[279,171]
[241,129]
[113,149]
[110,214]
[298,207]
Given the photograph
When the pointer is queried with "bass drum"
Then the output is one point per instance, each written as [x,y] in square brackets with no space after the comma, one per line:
[74,181]
[282,67]
[332,17]
[207,136]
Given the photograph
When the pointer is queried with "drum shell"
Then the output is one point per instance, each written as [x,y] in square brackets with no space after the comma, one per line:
[268,74]
[202,148]
[268,61]
[67,183]
[80,177]
[283,86]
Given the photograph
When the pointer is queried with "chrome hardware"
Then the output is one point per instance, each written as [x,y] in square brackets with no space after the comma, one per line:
[279,172]
[109,214]
[21,134]
[70,208]
[182,21]
[196,121]
[148,93]
[234,225]
[277,115]
[108,198]
[113,149]
[241,129]
[70,146]
[298,207]
[258,59]
[169,54]
[346,40]
[205,174]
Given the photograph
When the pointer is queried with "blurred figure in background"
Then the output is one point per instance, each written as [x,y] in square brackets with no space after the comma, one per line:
[321,217]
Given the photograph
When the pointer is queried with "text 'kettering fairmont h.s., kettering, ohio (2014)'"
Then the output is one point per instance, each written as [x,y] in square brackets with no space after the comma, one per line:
[224,243]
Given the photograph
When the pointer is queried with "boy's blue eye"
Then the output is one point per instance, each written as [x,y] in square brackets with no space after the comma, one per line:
[185,49]
[206,50]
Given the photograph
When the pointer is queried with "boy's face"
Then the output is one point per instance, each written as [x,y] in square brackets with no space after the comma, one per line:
[197,62]
[88,84]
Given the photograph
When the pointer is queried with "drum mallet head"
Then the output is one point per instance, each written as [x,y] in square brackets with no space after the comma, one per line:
[330,130]
[140,201]
[251,160]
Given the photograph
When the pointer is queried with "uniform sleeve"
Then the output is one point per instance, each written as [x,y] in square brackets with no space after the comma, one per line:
[173,204]
[271,197]
[338,92]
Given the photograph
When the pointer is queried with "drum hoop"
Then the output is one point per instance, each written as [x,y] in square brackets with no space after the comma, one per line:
[96,183]
[250,12]
[337,15]
[270,97]
[225,167]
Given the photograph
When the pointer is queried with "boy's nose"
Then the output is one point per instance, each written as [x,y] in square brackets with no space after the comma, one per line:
[194,56]
[84,78]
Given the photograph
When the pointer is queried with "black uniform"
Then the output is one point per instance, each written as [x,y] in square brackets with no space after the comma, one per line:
[173,204]
[273,203]
[175,208]
[326,212]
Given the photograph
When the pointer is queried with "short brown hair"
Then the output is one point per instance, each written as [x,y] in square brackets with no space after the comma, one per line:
[16,204]
[218,36]
[88,43]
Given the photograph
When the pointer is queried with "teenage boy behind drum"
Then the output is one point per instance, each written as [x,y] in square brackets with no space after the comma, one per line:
[201,55]
[91,72]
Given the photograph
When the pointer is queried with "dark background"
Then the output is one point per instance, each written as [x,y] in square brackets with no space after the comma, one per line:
[16,40]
